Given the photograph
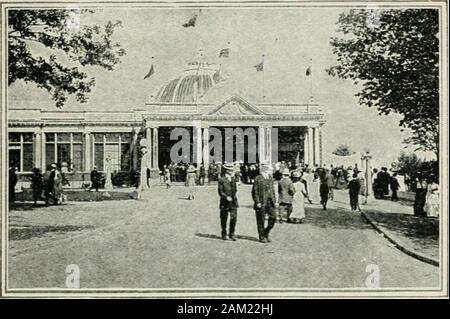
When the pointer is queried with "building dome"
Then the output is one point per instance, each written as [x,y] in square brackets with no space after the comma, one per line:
[195,81]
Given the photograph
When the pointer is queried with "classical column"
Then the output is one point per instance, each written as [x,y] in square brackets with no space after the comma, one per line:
[43,155]
[261,144]
[155,148]
[317,146]
[149,157]
[268,145]
[206,151]
[135,149]
[92,148]
[305,147]
[87,151]
[37,149]
[310,146]
[197,130]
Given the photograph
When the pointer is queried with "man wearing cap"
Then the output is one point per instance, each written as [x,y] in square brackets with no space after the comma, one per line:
[264,199]
[286,191]
[227,188]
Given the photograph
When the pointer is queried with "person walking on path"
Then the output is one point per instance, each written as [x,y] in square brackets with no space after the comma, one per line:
[201,175]
[298,207]
[432,204]
[286,191]
[228,205]
[263,194]
[95,179]
[53,187]
[37,184]
[394,187]
[353,189]
[167,177]
[172,169]
[314,189]
[329,179]
[420,197]
[190,181]
[12,177]
[324,192]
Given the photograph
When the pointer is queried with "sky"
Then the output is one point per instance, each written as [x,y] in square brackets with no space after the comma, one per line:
[288,38]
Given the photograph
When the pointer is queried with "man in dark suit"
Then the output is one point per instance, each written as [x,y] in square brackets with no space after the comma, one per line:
[264,199]
[353,190]
[227,188]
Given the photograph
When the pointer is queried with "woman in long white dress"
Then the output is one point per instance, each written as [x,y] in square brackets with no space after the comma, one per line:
[314,189]
[191,176]
[298,207]
[432,200]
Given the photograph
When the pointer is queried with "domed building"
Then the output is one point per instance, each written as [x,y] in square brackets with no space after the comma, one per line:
[202,100]
[220,116]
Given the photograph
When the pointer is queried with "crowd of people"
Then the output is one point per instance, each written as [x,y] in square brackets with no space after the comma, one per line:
[295,183]
[318,181]
[47,187]
[280,193]
[281,190]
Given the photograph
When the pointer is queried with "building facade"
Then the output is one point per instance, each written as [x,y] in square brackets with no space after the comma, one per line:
[84,139]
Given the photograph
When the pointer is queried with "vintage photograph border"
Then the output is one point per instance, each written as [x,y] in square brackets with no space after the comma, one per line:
[440,292]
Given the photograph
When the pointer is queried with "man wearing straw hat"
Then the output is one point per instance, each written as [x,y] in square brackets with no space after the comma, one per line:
[286,191]
[227,188]
[264,199]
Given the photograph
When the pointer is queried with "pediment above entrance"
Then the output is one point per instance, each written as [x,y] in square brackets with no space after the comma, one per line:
[235,105]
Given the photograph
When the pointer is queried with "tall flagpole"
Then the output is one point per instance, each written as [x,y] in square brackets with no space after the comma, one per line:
[263,67]
[311,77]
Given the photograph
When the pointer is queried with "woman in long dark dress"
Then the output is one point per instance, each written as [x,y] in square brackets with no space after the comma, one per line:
[37,184]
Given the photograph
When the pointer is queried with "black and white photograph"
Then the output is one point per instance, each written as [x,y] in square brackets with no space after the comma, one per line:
[224,149]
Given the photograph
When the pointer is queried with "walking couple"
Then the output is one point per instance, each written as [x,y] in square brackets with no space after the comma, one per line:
[263,193]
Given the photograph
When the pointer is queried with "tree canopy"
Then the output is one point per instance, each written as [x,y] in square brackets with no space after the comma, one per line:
[48,48]
[394,55]
[343,150]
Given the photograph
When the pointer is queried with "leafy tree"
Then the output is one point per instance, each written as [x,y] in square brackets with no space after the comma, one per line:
[412,166]
[407,164]
[343,150]
[44,49]
[394,55]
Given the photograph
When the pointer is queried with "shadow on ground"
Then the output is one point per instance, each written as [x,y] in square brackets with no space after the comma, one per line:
[26,206]
[24,232]
[335,218]
[212,236]
[408,225]
[419,233]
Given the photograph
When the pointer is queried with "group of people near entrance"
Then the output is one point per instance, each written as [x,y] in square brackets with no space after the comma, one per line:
[288,194]
[47,186]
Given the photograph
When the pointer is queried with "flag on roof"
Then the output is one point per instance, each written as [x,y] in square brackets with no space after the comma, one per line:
[191,22]
[224,53]
[259,67]
[218,77]
[150,73]
[308,71]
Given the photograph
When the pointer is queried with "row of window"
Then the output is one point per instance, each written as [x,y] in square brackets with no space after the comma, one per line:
[114,148]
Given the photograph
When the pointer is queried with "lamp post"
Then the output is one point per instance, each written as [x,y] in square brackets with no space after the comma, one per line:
[108,182]
[143,176]
[365,159]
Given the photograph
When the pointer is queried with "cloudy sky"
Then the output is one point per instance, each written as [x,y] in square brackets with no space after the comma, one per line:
[288,38]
